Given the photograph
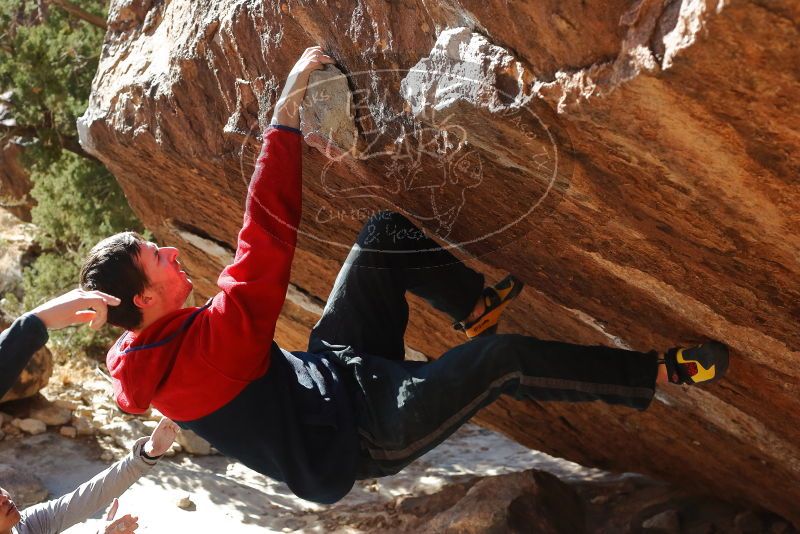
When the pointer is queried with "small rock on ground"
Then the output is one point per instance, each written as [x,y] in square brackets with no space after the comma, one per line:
[31,426]
[667,521]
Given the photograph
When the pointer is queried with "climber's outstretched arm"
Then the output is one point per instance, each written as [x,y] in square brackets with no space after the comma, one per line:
[254,285]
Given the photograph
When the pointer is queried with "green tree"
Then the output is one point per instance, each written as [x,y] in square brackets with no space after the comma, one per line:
[48,58]
[49,52]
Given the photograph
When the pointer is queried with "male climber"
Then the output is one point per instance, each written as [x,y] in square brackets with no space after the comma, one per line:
[350,407]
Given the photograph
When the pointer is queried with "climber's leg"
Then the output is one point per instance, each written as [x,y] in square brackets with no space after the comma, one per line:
[405,411]
[367,308]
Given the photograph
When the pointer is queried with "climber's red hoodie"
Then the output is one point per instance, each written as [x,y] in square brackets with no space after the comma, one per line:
[193,361]
[216,370]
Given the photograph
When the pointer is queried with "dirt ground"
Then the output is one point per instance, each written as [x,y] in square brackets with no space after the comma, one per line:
[227,497]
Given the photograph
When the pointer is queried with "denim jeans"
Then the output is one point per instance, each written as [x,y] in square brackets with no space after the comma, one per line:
[405,408]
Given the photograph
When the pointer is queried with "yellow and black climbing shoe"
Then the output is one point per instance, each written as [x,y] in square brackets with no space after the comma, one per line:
[495,300]
[703,363]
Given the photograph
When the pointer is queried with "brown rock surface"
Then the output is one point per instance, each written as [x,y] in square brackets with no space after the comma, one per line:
[530,501]
[634,162]
[34,377]
[15,183]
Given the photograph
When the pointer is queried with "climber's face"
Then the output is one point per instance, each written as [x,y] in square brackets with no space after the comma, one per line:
[9,515]
[168,286]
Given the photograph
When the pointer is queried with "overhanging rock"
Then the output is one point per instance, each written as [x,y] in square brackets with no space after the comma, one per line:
[656,140]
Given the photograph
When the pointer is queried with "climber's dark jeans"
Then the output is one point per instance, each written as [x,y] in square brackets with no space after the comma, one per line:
[406,408]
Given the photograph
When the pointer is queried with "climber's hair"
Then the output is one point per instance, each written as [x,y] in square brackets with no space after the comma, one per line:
[113,267]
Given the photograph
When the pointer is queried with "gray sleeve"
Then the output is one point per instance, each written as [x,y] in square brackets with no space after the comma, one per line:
[54,516]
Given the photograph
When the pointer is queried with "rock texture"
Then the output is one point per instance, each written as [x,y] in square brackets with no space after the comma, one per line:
[15,183]
[16,250]
[30,425]
[34,377]
[192,443]
[529,501]
[635,162]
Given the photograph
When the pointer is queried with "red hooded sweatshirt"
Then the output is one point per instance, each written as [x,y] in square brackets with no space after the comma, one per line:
[191,362]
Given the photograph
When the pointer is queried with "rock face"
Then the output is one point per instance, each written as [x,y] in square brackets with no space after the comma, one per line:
[529,501]
[634,162]
[34,377]
[15,183]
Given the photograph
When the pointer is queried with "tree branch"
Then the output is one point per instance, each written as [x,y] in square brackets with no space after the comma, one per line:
[67,143]
[41,6]
[72,9]
[73,145]
[15,130]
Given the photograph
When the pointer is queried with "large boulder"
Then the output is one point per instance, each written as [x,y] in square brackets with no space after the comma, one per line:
[34,377]
[635,163]
[528,501]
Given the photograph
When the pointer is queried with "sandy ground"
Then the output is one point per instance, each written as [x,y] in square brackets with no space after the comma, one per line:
[229,497]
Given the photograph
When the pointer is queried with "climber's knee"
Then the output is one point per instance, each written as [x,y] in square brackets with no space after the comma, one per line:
[382,226]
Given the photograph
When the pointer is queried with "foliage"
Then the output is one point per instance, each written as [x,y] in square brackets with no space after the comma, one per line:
[48,58]
[79,203]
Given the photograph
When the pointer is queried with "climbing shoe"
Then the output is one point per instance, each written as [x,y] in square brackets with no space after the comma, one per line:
[703,363]
[495,300]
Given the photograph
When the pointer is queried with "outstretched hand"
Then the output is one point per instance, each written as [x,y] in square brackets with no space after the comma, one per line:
[287,110]
[162,437]
[312,58]
[76,307]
